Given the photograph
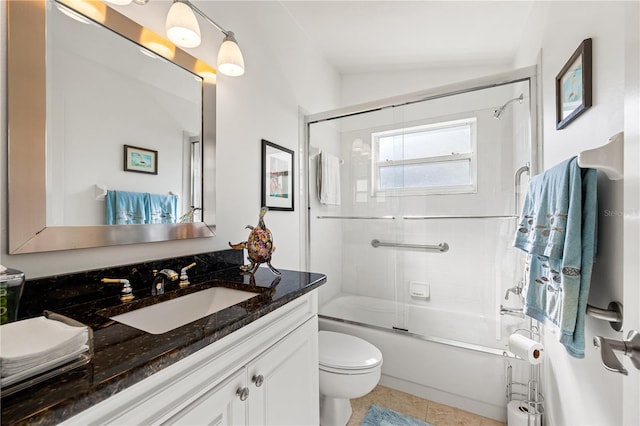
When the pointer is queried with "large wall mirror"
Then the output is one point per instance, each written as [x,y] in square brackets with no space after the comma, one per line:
[103,130]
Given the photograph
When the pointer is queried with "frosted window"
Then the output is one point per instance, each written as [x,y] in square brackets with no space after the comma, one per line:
[434,158]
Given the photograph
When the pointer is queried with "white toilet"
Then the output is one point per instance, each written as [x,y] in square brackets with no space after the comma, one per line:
[349,368]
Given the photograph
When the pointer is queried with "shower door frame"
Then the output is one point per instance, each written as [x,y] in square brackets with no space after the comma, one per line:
[529,74]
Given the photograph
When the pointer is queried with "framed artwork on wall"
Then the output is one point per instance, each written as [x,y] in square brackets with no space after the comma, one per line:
[573,86]
[140,160]
[277,177]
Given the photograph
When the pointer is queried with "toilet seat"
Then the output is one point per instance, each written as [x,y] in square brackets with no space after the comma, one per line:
[346,354]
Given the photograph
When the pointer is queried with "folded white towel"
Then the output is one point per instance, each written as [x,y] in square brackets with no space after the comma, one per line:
[39,340]
[328,179]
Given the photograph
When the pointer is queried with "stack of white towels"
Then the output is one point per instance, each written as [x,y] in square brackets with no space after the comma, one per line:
[33,346]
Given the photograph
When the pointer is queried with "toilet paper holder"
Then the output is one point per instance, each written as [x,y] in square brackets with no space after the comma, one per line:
[629,347]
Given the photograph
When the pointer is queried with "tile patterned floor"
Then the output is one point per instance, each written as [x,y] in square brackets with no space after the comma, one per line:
[421,409]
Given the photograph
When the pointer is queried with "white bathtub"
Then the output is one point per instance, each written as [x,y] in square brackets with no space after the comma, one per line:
[449,370]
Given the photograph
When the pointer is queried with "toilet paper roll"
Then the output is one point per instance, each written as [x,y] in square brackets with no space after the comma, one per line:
[525,348]
[518,414]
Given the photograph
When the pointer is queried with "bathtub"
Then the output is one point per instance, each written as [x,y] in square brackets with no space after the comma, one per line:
[463,371]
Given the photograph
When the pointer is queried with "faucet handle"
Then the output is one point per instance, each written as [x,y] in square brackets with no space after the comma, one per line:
[126,293]
[184,278]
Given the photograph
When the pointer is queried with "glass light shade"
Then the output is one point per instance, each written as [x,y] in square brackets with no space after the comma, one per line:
[230,60]
[182,26]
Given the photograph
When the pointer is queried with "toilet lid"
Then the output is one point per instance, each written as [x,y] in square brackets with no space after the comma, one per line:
[347,352]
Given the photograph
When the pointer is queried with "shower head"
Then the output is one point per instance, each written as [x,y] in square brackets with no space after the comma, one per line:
[498,112]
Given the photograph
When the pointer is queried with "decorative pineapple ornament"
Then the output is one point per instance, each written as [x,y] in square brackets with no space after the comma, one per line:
[259,246]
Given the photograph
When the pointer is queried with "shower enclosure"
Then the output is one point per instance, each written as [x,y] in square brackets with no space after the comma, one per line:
[415,237]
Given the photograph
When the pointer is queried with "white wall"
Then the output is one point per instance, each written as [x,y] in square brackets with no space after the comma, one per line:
[363,87]
[283,73]
[582,392]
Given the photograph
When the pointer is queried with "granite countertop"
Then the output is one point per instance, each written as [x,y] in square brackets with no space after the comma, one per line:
[124,355]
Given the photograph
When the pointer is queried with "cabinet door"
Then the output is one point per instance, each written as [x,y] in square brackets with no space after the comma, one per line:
[283,381]
[220,405]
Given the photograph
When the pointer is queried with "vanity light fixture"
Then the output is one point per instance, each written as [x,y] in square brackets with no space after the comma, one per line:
[183,30]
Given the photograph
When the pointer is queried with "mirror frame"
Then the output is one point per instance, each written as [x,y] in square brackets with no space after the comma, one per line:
[26,100]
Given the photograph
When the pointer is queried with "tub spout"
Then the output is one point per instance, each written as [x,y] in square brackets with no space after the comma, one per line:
[516,312]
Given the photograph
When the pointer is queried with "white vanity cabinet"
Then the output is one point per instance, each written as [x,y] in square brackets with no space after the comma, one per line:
[265,373]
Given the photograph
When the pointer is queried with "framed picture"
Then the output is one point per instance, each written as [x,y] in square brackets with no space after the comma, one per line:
[573,86]
[140,160]
[277,177]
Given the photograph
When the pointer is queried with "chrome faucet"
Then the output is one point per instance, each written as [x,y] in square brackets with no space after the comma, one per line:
[160,279]
[517,290]
[515,312]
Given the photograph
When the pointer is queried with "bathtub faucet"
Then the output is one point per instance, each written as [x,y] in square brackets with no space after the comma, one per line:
[517,290]
[514,312]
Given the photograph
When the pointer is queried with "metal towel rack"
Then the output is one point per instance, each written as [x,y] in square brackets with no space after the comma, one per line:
[442,247]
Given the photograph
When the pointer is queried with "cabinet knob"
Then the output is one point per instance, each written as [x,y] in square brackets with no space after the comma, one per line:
[258,380]
[243,393]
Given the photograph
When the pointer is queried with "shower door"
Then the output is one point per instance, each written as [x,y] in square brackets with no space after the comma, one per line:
[341,234]
[421,239]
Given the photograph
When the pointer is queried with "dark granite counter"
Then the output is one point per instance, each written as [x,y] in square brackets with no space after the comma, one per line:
[124,355]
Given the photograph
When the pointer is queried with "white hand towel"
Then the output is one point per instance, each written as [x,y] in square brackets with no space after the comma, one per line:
[37,340]
[328,179]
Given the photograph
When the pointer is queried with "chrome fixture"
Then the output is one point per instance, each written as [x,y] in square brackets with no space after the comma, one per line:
[442,247]
[629,347]
[613,314]
[517,181]
[517,290]
[184,278]
[514,312]
[126,293]
[498,112]
[160,279]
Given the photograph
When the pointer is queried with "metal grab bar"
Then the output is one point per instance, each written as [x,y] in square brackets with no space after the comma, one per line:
[516,184]
[355,217]
[442,247]
[458,217]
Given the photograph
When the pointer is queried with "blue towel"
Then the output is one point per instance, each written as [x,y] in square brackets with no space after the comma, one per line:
[163,208]
[124,208]
[557,229]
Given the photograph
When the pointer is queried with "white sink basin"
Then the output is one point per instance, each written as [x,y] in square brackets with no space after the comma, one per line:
[166,316]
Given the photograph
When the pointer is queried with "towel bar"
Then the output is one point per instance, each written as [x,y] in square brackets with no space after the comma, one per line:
[613,314]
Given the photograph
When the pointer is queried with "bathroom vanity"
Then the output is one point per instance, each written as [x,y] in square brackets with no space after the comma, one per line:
[255,362]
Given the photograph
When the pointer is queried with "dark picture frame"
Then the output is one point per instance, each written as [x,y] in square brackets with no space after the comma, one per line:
[277,177]
[140,160]
[573,86]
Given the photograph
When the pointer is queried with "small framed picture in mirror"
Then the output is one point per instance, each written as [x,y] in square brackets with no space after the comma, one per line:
[141,160]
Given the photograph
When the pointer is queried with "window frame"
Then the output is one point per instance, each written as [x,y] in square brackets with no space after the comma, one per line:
[376,163]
